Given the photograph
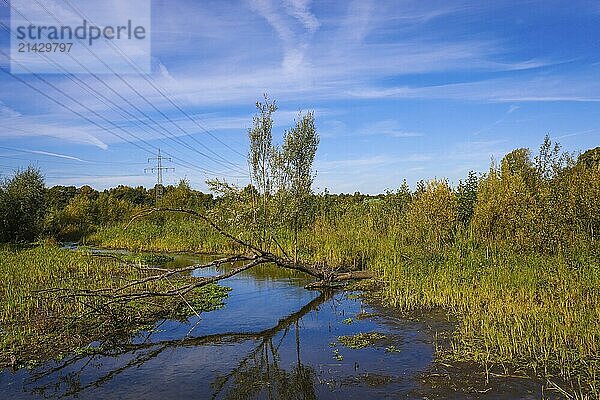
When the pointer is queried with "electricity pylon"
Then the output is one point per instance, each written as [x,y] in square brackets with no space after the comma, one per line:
[159,170]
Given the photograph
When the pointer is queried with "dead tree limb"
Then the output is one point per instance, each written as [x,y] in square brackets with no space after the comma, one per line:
[116,295]
[325,277]
[323,274]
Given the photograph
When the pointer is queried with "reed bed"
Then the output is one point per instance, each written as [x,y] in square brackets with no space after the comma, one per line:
[536,314]
[169,235]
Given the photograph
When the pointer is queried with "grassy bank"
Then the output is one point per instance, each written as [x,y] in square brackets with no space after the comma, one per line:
[537,314]
[168,235]
[36,326]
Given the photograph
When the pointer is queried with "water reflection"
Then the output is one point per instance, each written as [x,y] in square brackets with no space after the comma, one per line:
[260,367]
[272,340]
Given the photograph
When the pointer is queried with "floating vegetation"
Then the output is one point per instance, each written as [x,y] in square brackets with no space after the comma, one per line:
[156,259]
[337,356]
[361,340]
[151,259]
[364,315]
[392,349]
[347,321]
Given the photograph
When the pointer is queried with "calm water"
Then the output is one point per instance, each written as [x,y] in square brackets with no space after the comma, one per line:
[273,340]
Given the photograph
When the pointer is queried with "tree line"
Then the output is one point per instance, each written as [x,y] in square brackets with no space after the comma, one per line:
[543,202]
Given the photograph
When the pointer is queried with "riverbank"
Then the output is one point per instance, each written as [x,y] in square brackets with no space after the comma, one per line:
[516,315]
[325,345]
[38,323]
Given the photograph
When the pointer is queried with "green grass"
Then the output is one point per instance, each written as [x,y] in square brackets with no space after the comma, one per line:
[536,313]
[168,235]
[36,326]
[338,242]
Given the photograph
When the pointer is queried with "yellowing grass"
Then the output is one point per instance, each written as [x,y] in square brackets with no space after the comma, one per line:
[532,312]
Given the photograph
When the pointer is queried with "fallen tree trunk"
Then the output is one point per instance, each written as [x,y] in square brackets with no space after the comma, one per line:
[321,272]
[326,277]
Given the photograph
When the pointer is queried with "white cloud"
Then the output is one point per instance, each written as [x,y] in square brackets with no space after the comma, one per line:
[7,112]
[216,59]
[577,133]
[49,125]
[46,153]
[377,160]
[295,42]
[301,10]
[388,128]
[574,88]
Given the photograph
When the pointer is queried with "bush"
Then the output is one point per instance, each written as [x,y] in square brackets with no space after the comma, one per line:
[432,216]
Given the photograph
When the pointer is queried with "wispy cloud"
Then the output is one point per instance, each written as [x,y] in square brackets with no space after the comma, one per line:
[477,150]
[53,125]
[499,121]
[301,10]
[573,88]
[295,42]
[7,112]
[377,160]
[578,133]
[388,128]
[359,63]
[47,153]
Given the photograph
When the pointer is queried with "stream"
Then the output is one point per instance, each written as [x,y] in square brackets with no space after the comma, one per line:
[273,339]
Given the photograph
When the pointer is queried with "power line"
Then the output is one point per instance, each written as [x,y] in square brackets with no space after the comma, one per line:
[158,89]
[104,99]
[70,98]
[183,163]
[142,96]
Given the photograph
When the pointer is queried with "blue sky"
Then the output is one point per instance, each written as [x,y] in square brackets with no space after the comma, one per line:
[400,89]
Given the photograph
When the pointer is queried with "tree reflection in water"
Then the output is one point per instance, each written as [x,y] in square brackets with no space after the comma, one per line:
[259,372]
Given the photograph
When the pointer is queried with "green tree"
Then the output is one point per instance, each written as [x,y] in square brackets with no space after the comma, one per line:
[22,206]
[466,196]
[582,196]
[57,197]
[551,161]
[296,175]
[181,196]
[590,158]
[432,216]
[507,209]
[518,162]
[261,160]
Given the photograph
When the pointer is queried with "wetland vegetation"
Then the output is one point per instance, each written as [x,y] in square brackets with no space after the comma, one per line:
[511,254]
[38,321]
